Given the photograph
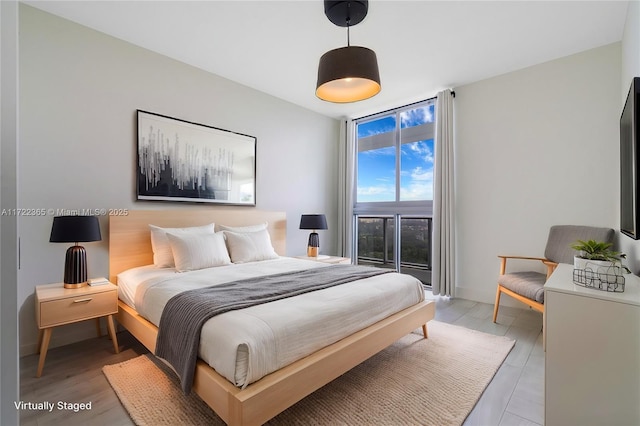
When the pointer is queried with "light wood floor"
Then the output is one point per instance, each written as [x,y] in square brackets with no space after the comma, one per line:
[73,373]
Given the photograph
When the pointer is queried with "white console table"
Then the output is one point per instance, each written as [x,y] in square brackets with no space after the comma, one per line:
[592,359]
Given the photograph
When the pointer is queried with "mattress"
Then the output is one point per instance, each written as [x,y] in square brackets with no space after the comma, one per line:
[245,345]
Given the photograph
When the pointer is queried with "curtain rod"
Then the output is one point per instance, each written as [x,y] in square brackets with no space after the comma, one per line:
[453,93]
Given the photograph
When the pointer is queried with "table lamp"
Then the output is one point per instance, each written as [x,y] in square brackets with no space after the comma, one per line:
[313,222]
[75,229]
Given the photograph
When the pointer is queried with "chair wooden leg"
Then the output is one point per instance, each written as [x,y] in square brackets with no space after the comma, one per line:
[495,307]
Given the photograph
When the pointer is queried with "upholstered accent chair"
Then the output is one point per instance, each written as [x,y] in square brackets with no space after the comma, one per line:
[528,286]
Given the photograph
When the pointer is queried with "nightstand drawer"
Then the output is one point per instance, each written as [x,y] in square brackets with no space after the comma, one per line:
[72,309]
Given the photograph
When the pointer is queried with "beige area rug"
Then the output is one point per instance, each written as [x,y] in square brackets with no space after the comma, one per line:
[413,382]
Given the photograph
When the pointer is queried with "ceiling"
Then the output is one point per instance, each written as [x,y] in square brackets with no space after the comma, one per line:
[422,46]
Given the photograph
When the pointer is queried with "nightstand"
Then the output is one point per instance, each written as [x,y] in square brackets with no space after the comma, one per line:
[56,305]
[327,259]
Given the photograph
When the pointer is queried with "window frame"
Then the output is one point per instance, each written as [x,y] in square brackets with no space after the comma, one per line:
[398,210]
[405,208]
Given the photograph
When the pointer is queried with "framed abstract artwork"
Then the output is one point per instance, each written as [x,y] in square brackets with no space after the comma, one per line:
[183,161]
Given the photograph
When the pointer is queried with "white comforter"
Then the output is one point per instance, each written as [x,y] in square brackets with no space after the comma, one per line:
[247,344]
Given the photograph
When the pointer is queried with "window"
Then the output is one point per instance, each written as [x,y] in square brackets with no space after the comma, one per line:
[394,189]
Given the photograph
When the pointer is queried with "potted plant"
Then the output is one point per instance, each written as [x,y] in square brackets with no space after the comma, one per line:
[597,254]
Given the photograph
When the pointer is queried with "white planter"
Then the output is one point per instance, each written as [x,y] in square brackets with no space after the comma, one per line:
[600,267]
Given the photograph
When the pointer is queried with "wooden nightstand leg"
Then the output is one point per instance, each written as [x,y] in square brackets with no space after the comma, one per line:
[98,329]
[112,333]
[43,349]
[40,333]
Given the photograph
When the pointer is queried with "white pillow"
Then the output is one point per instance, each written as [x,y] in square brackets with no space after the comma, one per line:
[162,255]
[250,246]
[198,251]
[243,229]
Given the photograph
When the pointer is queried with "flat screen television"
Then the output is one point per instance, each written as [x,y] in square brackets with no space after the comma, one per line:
[629,166]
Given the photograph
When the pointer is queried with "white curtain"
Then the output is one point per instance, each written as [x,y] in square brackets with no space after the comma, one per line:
[345,187]
[443,256]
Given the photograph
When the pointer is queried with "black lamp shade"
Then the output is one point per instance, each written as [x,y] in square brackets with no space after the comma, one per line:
[75,229]
[348,74]
[313,221]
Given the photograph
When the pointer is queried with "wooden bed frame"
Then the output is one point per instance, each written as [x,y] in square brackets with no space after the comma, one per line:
[130,246]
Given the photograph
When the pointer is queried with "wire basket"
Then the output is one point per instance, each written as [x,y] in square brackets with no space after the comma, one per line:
[599,280]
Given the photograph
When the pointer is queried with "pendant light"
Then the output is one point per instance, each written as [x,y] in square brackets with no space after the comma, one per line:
[347,74]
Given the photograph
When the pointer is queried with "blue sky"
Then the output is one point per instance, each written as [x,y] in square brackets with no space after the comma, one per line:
[376,168]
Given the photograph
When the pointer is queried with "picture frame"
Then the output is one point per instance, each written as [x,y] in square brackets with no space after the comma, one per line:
[179,160]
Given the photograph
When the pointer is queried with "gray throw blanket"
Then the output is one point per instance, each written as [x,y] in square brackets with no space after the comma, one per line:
[185,313]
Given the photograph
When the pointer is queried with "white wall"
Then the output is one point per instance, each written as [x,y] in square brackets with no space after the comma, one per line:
[630,47]
[79,90]
[534,148]
[630,69]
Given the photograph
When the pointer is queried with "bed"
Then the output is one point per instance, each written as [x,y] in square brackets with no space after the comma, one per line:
[257,402]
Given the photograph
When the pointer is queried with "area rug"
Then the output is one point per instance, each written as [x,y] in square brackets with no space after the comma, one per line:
[417,381]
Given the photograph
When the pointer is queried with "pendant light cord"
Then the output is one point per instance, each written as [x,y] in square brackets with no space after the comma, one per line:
[348,23]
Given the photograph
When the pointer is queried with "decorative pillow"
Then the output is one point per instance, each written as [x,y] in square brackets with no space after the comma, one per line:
[250,246]
[198,251]
[162,255]
[243,229]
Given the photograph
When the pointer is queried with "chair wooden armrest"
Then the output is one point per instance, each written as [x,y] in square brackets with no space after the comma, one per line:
[542,259]
[551,266]
[503,262]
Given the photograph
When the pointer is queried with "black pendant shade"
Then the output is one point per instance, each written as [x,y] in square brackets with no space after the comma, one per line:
[347,74]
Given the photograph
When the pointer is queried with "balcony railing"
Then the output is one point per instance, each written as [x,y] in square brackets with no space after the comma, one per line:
[377,242]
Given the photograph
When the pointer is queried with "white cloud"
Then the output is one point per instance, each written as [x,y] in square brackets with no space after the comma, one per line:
[419,186]
[416,116]
[416,192]
[382,192]
[386,151]
[420,174]
[421,149]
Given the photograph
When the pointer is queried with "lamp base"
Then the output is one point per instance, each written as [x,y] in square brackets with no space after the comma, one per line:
[314,244]
[75,267]
[79,285]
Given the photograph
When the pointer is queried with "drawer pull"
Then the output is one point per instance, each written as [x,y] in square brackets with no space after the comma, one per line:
[88,299]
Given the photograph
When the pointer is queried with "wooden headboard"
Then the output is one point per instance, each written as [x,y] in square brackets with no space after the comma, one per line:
[130,238]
